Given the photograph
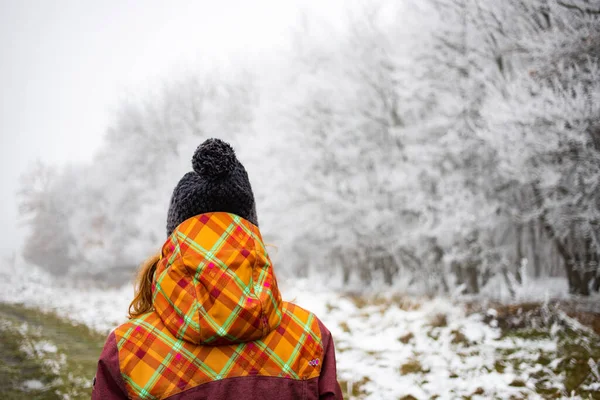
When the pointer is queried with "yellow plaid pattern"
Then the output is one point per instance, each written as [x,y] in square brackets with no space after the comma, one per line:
[218,314]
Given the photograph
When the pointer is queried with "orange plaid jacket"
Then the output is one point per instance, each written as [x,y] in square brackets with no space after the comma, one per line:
[218,329]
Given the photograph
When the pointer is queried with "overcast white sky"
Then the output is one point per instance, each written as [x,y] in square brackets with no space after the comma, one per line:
[64,64]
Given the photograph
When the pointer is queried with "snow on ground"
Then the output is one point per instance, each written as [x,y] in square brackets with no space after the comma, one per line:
[100,309]
[33,384]
[385,350]
[421,350]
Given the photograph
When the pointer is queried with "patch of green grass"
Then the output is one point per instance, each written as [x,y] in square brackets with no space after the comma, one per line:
[499,367]
[520,396]
[77,352]
[16,368]
[517,383]
[508,352]
[575,350]
[576,354]
[528,334]
[543,359]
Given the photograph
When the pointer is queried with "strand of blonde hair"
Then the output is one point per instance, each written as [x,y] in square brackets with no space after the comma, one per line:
[142,301]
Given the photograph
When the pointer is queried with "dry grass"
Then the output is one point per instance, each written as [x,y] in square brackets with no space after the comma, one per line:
[344,326]
[478,392]
[459,338]
[406,338]
[439,321]
[412,366]
[405,303]
[354,390]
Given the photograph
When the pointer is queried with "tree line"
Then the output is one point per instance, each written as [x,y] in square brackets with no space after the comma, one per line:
[440,144]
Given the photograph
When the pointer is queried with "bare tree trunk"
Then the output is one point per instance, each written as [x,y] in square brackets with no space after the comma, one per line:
[457,270]
[445,286]
[345,274]
[588,266]
[366,276]
[388,276]
[389,270]
[472,279]
[596,283]
[535,256]
[595,271]
[557,268]
[575,265]
[573,277]
[575,285]
[345,266]
[509,284]
[519,235]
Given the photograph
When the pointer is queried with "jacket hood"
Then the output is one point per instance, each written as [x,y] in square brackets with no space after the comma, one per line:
[214,283]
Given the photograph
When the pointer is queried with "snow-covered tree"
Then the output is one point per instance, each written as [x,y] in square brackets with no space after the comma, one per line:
[44,202]
[544,126]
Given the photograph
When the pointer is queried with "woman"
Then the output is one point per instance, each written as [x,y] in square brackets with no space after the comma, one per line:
[207,321]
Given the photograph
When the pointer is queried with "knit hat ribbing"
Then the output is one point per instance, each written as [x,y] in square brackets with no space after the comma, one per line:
[218,182]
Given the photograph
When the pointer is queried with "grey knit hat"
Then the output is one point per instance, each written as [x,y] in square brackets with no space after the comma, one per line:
[218,182]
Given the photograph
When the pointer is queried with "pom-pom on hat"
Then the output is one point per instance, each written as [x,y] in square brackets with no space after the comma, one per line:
[218,182]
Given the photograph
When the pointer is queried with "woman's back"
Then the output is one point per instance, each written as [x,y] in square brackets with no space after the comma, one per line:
[217,327]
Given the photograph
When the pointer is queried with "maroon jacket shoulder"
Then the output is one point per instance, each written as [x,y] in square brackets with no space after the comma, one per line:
[108,382]
[329,387]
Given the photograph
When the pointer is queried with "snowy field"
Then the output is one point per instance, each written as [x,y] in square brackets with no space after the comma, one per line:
[389,348]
